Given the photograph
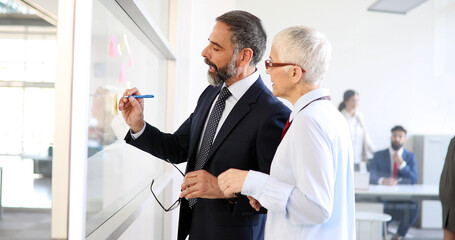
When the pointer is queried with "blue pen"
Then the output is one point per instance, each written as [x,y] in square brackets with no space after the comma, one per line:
[140,96]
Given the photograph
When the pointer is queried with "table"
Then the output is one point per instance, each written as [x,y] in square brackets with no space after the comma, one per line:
[398,192]
[401,192]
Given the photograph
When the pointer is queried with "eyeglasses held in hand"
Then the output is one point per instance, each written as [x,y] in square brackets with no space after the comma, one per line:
[270,64]
[176,203]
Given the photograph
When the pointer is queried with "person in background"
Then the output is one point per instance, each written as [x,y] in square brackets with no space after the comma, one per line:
[447,193]
[309,193]
[362,145]
[100,133]
[396,165]
[237,123]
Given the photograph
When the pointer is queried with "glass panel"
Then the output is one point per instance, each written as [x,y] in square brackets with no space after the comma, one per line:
[12,59]
[11,127]
[12,71]
[159,11]
[20,188]
[41,60]
[28,130]
[154,216]
[10,6]
[116,171]
[38,121]
[31,60]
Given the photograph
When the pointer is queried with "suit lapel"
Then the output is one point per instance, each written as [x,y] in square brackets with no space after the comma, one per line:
[241,108]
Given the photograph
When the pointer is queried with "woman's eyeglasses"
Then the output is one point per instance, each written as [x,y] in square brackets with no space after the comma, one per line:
[270,64]
[176,203]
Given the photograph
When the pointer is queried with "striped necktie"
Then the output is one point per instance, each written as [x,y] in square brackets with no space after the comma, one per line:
[209,133]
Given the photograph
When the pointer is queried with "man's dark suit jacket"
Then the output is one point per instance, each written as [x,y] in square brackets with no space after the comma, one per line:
[247,140]
[380,167]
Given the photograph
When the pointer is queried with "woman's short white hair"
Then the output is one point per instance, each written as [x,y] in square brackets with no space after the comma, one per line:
[307,48]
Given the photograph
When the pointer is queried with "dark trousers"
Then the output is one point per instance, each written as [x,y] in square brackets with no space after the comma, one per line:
[209,222]
[406,212]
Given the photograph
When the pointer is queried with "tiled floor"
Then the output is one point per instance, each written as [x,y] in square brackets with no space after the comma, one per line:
[25,224]
[26,199]
[419,234]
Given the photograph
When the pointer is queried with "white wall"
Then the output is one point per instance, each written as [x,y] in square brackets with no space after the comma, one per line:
[402,65]
[193,80]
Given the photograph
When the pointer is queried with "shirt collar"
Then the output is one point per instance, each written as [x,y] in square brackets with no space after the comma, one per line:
[240,87]
[307,98]
[400,151]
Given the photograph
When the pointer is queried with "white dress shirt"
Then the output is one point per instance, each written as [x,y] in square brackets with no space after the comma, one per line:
[400,153]
[237,90]
[309,193]
[392,163]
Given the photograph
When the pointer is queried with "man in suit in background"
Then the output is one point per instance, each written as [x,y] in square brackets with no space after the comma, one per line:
[392,166]
[237,123]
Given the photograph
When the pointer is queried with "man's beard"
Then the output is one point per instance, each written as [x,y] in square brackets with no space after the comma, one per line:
[396,146]
[221,75]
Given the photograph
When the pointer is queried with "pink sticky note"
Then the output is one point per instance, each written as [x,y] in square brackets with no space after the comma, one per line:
[131,61]
[122,74]
[113,47]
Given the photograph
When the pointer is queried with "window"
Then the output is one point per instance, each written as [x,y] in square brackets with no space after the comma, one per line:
[27,76]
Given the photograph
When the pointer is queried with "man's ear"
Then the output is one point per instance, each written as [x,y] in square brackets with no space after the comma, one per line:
[245,56]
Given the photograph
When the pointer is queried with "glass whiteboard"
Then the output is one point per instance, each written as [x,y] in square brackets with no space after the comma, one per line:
[121,57]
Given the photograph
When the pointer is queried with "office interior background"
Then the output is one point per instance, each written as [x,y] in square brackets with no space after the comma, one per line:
[66,174]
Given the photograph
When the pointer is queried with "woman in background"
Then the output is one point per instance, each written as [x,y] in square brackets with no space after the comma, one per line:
[362,146]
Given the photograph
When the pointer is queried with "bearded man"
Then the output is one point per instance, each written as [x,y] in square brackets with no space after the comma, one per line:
[237,123]
[396,165]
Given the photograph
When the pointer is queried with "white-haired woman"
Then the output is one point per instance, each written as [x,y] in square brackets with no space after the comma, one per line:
[309,193]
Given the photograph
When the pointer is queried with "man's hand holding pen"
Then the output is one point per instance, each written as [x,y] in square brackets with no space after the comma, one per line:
[132,109]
